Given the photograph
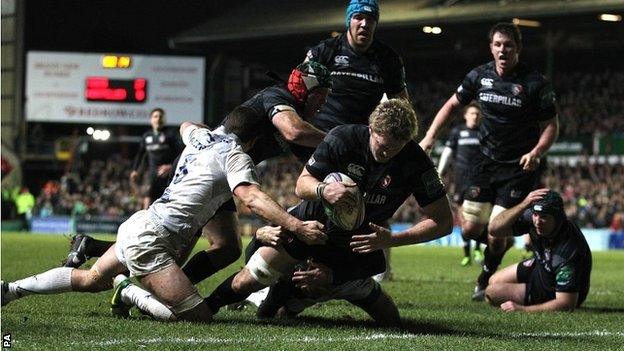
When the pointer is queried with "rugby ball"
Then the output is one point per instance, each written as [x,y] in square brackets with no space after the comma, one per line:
[345,216]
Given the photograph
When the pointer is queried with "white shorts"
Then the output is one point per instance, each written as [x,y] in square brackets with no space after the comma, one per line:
[352,290]
[145,247]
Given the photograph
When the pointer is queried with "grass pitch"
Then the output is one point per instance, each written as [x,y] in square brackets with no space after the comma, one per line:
[430,288]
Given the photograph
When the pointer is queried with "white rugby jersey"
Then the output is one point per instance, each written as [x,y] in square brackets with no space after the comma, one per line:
[211,166]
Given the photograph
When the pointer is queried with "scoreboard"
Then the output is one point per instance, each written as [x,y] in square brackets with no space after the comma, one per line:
[112,88]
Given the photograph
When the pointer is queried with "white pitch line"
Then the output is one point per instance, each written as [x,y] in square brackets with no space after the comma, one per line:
[308,339]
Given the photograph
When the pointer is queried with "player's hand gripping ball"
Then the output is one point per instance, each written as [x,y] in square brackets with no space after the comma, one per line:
[344,214]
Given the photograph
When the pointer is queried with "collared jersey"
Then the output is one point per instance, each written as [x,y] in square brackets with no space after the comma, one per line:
[162,147]
[564,261]
[211,166]
[385,185]
[358,80]
[512,108]
[464,142]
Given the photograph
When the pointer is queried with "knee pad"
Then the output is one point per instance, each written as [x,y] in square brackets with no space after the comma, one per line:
[261,271]
[187,304]
[476,212]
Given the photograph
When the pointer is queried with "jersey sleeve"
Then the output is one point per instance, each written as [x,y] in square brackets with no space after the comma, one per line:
[428,185]
[547,102]
[240,169]
[467,91]
[187,132]
[523,224]
[327,156]
[394,83]
[322,52]
[567,277]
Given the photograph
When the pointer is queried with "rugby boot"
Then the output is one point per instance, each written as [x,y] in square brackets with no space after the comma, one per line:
[118,307]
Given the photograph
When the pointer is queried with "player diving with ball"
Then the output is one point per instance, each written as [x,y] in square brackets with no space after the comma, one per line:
[386,166]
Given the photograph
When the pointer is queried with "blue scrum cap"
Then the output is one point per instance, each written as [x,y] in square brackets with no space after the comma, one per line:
[368,7]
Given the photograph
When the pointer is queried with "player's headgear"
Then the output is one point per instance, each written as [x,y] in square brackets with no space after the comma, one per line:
[551,204]
[306,77]
[367,7]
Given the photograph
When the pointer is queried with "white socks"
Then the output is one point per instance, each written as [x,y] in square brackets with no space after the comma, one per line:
[143,300]
[54,281]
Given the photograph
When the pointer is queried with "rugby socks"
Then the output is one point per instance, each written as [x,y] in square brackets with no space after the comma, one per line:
[223,295]
[97,248]
[54,281]
[146,302]
[199,267]
[491,262]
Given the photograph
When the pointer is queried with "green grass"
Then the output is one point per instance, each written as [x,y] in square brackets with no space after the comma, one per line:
[430,288]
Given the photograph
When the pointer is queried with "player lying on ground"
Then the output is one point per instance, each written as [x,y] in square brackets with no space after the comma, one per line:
[388,166]
[278,109]
[557,278]
[151,243]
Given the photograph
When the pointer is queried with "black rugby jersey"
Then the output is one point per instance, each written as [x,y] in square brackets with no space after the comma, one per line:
[359,81]
[465,145]
[385,185]
[512,108]
[271,143]
[162,148]
[564,261]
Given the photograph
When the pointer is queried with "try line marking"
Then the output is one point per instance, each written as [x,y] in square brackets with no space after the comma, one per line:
[308,339]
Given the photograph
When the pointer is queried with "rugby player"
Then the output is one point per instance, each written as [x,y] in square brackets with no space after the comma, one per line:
[363,69]
[387,166]
[152,243]
[557,277]
[463,146]
[161,146]
[519,126]
[278,109]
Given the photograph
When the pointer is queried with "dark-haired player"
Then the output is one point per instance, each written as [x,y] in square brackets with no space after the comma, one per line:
[558,277]
[277,109]
[152,243]
[388,167]
[519,126]
[463,146]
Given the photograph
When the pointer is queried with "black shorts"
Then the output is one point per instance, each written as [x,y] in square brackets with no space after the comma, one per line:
[503,184]
[535,292]
[461,185]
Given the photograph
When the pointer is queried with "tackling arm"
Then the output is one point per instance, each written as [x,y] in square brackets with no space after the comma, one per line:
[296,130]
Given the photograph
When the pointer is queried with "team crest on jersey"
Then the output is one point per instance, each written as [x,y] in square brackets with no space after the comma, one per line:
[515,194]
[161,138]
[341,60]
[474,191]
[385,181]
[487,82]
[355,170]
[516,89]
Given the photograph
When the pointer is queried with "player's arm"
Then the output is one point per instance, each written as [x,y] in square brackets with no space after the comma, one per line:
[563,301]
[296,130]
[439,223]
[441,119]
[446,155]
[139,159]
[502,225]
[549,133]
[264,206]
[310,188]
[188,124]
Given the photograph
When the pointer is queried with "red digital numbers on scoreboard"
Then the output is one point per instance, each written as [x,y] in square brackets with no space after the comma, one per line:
[104,89]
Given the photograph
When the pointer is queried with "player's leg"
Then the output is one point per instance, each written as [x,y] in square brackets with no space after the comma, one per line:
[66,279]
[171,286]
[510,283]
[83,247]
[377,303]
[264,268]
[225,247]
